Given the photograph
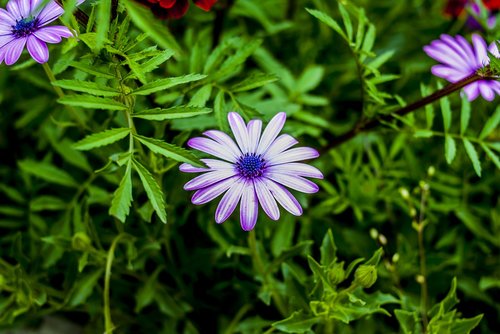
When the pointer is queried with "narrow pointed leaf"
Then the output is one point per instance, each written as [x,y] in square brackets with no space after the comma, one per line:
[450,149]
[491,124]
[167,83]
[169,150]
[47,172]
[87,87]
[92,102]
[464,115]
[122,198]
[471,152]
[101,139]
[159,114]
[152,189]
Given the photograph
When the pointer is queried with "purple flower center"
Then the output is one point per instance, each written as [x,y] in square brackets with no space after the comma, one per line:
[25,27]
[250,165]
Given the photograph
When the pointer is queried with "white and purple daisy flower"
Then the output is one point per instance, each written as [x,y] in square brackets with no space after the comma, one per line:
[253,170]
[460,59]
[24,24]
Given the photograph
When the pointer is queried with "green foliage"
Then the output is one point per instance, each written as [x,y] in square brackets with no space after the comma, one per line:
[89,175]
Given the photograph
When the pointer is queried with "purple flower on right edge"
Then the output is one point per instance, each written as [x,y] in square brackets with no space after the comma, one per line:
[459,59]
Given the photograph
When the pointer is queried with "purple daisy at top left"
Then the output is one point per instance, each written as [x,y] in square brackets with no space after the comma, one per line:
[24,24]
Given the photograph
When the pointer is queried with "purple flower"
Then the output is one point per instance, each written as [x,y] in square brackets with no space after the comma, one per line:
[460,59]
[24,23]
[255,170]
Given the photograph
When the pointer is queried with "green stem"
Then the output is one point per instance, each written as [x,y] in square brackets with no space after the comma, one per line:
[424,292]
[232,326]
[60,93]
[373,123]
[259,266]
[108,324]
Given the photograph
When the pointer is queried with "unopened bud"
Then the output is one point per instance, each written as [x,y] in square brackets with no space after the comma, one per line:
[365,275]
[81,242]
[431,171]
[336,274]
[382,239]
[420,279]
[404,193]
[373,233]
[395,258]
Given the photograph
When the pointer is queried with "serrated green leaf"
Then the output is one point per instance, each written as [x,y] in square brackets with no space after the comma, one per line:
[122,197]
[464,115]
[47,172]
[491,124]
[153,190]
[450,149]
[92,70]
[159,114]
[254,81]
[156,61]
[326,19]
[242,53]
[169,150]
[167,83]
[471,152]
[92,102]
[492,155]
[408,321]
[101,139]
[201,97]
[87,87]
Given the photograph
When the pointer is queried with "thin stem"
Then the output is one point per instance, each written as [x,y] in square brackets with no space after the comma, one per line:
[108,323]
[60,93]
[259,266]
[232,326]
[373,123]
[424,290]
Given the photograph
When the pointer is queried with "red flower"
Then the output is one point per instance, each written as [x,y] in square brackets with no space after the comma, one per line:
[174,9]
[455,7]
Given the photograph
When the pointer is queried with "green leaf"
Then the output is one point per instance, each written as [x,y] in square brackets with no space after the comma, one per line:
[84,287]
[408,321]
[122,197]
[154,28]
[347,21]
[102,139]
[326,19]
[449,148]
[169,150]
[220,111]
[92,102]
[369,38]
[156,61]
[102,24]
[310,79]
[423,133]
[298,322]
[471,152]
[242,53]
[492,155]
[491,124]
[145,295]
[153,190]
[167,83]
[87,87]
[464,115]
[319,273]
[429,108]
[47,202]
[201,97]
[255,80]
[159,114]
[446,112]
[92,70]
[328,249]
[47,172]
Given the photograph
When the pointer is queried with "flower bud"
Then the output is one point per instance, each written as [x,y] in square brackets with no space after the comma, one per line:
[336,274]
[81,242]
[373,233]
[365,275]
[404,193]
[431,171]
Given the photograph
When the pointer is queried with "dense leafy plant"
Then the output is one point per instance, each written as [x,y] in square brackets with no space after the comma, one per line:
[403,236]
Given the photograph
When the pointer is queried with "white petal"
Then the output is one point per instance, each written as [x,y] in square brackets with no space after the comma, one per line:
[211,147]
[187,168]
[249,207]
[254,127]
[229,202]
[480,49]
[225,141]
[207,179]
[266,199]
[284,197]
[207,194]
[292,155]
[295,182]
[239,129]
[271,132]
[282,143]
[298,169]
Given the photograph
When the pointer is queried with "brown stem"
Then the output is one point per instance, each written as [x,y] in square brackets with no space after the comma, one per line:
[373,123]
